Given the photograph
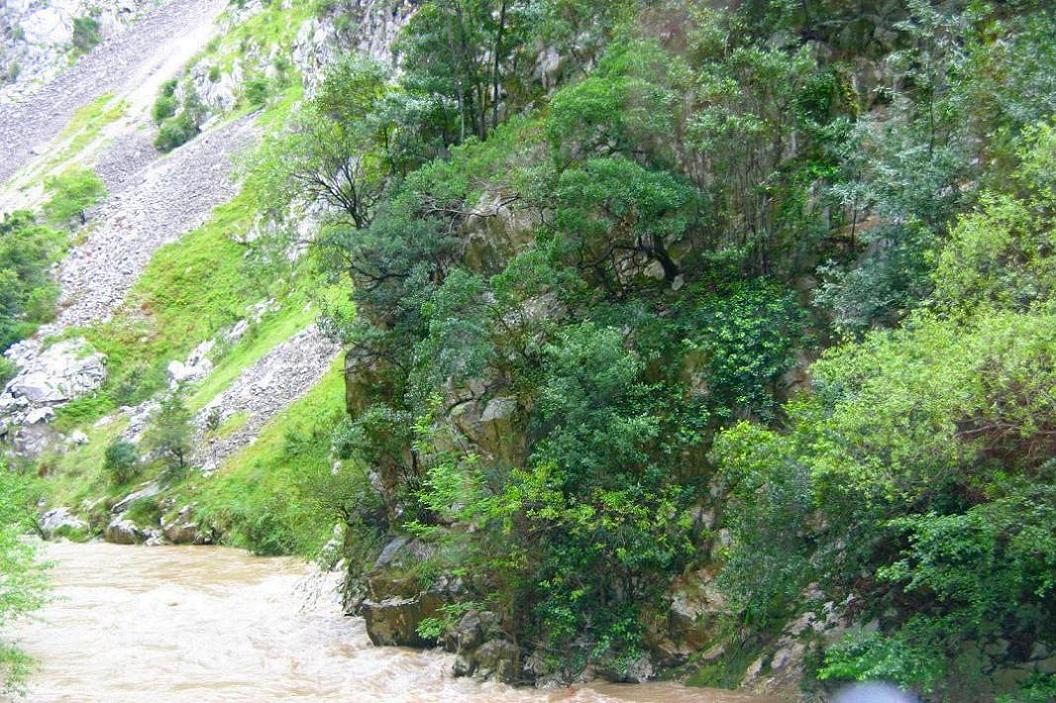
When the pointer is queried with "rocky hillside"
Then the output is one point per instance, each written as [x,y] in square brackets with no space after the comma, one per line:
[166,281]
[586,339]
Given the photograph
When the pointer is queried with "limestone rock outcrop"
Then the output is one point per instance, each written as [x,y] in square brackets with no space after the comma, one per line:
[59,522]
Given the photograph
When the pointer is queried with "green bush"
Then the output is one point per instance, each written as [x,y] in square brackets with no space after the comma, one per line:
[180,124]
[72,193]
[27,292]
[85,33]
[256,91]
[121,461]
[8,370]
[164,108]
[175,131]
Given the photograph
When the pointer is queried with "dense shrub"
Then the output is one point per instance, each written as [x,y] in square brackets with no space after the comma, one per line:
[72,193]
[121,461]
[85,33]
[256,91]
[27,292]
[175,132]
[178,125]
[630,250]
[165,105]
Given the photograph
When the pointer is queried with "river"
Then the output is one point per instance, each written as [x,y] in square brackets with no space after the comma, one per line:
[208,624]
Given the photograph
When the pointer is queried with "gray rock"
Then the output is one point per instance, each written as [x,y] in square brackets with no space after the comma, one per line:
[393,622]
[64,371]
[499,660]
[183,530]
[49,25]
[147,491]
[638,670]
[60,520]
[121,531]
[32,440]
[39,416]
[388,553]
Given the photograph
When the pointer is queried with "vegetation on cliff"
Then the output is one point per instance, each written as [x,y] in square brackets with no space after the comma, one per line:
[593,248]
[748,304]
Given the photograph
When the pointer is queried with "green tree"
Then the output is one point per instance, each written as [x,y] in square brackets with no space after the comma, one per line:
[121,461]
[27,292]
[170,433]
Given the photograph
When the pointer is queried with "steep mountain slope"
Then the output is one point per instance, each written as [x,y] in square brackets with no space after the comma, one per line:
[131,64]
[174,283]
[692,337]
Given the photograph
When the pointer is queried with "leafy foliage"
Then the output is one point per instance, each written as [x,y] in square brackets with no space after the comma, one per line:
[72,193]
[85,34]
[27,292]
[169,434]
[581,282]
[121,461]
[21,576]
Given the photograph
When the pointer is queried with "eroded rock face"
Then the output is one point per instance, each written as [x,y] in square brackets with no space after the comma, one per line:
[688,626]
[493,427]
[394,621]
[616,670]
[372,29]
[36,36]
[499,228]
[495,659]
[197,366]
[395,604]
[482,649]
[48,378]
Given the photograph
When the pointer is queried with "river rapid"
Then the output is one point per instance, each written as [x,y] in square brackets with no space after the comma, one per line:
[205,624]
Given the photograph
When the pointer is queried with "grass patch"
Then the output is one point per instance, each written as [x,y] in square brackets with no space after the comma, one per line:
[86,124]
[274,26]
[728,670]
[264,498]
[75,475]
[189,292]
[258,341]
[144,512]
[231,425]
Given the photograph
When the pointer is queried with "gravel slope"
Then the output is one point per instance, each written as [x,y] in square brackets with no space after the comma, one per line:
[265,389]
[174,195]
[122,64]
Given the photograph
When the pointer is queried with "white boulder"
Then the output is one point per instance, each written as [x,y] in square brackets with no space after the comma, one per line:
[64,371]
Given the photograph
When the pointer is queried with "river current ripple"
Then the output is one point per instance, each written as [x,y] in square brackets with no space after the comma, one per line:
[207,624]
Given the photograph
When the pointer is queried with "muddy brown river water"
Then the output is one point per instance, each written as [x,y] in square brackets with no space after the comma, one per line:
[203,625]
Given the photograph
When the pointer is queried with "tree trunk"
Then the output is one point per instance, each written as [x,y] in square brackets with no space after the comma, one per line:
[495,71]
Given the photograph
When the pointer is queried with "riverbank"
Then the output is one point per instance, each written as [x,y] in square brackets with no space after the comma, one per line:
[217,624]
